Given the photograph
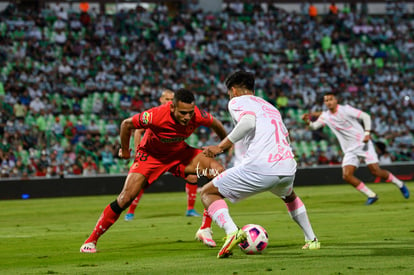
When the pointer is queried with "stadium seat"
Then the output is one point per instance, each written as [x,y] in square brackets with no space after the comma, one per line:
[305,147]
[324,144]
[102,126]
[24,156]
[192,140]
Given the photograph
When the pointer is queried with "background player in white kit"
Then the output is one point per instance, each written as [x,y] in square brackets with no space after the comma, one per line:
[267,165]
[355,142]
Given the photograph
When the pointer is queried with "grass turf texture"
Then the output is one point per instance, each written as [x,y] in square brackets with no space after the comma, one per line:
[43,236]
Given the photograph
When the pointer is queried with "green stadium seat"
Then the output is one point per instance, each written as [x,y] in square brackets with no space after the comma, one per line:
[192,140]
[102,126]
[2,92]
[24,156]
[64,142]
[63,119]
[72,118]
[324,144]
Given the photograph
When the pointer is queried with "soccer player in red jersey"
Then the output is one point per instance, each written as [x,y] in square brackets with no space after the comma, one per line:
[162,149]
[191,180]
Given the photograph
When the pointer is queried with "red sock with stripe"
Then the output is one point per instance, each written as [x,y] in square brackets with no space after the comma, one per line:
[206,223]
[191,190]
[105,221]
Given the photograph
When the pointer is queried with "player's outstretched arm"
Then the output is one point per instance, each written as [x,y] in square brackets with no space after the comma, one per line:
[218,128]
[246,124]
[125,135]
[366,119]
[213,150]
[137,136]
[306,118]
[312,125]
[315,115]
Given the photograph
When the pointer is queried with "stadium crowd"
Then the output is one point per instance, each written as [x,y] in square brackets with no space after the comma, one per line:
[68,79]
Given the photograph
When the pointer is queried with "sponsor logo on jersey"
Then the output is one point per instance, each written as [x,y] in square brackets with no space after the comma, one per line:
[170,140]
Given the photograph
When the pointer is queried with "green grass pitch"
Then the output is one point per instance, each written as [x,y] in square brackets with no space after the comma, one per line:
[43,236]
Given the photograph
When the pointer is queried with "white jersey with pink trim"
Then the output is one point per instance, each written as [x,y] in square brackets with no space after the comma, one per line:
[239,151]
[345,125]
[268,151]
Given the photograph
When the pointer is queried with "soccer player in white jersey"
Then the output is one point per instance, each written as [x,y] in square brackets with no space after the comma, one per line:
[355,141]
[267,165]
[238,153]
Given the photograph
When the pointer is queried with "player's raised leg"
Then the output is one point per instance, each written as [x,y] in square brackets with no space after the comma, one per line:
[297,211]
[133,185]
[348,175]
[219,212]
[205,166]
[376,170]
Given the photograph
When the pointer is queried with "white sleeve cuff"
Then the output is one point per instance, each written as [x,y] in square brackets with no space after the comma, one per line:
[315,125]
[366,120]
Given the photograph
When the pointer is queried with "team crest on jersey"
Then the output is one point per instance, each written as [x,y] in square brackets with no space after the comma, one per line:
[146,118]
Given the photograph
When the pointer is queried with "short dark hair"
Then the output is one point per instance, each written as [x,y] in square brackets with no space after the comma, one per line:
[183,95]
[331,93]
[240,79]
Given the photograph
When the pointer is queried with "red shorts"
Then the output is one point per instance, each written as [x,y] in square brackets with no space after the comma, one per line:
[153,167]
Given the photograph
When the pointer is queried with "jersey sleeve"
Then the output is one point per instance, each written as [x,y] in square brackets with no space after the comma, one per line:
[320,120]
[203,118]
[237,109]
[352,112]
[143,120]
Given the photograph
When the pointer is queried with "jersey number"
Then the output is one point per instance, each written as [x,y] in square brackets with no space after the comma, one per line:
[283,130]
[142,156]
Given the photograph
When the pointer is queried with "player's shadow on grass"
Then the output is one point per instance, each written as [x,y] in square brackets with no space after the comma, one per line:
[163,215]
[162,244]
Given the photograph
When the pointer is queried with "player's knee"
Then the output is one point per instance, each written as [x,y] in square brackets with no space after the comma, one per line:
[125,200]
[203,194]
[206,191]
[217,168]
[346,176]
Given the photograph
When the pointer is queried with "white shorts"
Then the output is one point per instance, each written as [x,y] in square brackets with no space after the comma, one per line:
[354,157]
[237,184]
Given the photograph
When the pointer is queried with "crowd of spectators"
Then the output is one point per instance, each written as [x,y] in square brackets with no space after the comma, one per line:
[68,79]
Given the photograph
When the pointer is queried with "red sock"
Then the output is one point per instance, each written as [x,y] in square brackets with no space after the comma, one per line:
[134,204]
[107,218]
[191,190]
[206,223]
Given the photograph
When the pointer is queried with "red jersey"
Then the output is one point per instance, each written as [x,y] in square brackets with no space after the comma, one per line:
[163,135]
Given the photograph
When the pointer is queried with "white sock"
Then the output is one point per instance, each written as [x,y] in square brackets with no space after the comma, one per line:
[394,180]
[297,212]
[365,190]
[219,212]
